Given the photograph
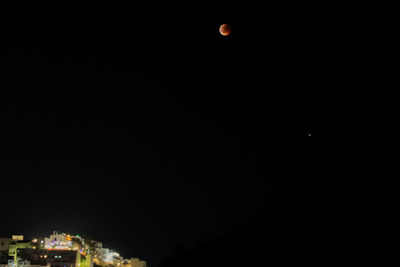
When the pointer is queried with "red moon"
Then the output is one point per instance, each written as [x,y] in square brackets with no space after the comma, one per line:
[225,29]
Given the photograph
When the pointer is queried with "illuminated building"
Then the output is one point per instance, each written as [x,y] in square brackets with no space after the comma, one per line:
[135,262]
[17,237]
[23,263]
[13,246]
[11,263]
[126,263]
[4,243]
[4,251]
[105,256]
[54,258]
[38,243]
[60,250]
[58,241]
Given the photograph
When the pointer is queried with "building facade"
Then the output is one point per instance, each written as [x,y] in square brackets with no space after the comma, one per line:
[60,250]
[135,262]
[13,246]
[4,243]
[53,258]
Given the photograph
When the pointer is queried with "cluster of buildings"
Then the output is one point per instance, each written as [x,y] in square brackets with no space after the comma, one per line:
[60,250]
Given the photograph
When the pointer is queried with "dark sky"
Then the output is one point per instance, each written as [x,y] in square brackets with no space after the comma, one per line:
[143,127]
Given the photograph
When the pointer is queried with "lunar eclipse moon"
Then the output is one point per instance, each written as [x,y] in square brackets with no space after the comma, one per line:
[225,29]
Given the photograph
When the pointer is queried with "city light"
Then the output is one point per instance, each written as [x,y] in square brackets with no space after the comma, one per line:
[60,245]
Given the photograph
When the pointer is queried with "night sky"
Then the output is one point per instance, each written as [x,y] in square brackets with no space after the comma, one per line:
[143,127]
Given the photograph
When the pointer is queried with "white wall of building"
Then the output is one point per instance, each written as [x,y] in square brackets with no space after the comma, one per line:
[23,263]
[57,241]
